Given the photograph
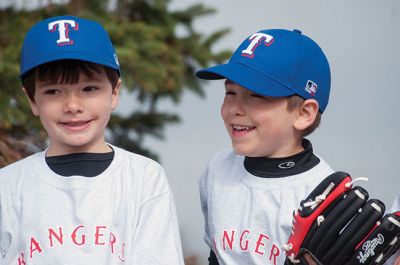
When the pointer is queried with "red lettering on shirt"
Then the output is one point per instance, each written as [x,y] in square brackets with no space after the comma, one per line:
[21,259]
[77,236]
[260,243]
[97,235]
[113,239]
[122,256]
[275,252]
[246,241]
[257,244]
[34,247]
[58,236]
[73,236]
[227,239]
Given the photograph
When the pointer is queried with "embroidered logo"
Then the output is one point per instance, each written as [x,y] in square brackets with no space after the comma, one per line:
[286,165]
[63,27]
[256,39]
[311,87]
[369,248]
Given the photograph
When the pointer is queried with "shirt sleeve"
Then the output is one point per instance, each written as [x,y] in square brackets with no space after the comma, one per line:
[2,241]
[5,229]
[204,206]
[157,239]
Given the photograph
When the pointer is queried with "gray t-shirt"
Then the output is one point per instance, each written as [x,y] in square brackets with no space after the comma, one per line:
[248,218]
[125,215]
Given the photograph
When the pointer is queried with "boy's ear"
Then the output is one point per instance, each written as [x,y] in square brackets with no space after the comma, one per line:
[32,104]
[306,114]
[115,95]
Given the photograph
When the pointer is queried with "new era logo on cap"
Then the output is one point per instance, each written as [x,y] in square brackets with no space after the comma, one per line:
[64,38]
[278,63]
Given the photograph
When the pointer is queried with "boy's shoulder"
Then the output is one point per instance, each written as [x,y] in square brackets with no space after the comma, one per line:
[224,159]
[145,169]
[125,154]
[141,173]
[24,166]
[223,155]
[19,167]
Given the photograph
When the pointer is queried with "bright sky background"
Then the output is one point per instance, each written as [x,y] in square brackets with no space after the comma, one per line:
[360,128]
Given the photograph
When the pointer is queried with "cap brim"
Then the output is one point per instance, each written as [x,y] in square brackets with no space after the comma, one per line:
[246,77]
[68,55]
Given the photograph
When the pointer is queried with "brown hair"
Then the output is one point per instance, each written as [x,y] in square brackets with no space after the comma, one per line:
[295,102]
[64,72]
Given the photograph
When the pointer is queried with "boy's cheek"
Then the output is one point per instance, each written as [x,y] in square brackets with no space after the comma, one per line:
[34,108]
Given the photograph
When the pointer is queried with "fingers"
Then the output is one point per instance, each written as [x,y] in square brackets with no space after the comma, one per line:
[312,262]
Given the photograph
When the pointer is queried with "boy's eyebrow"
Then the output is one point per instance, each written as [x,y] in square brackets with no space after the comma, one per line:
[91,79]
[84,79]
[46,83]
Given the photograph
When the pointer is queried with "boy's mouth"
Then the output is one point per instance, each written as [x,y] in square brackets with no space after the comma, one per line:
[75,125]
[241,128]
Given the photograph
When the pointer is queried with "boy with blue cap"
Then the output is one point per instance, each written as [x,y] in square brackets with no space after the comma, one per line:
[277,86]
[82,200]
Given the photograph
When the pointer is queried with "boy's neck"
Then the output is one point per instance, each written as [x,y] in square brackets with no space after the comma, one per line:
[282,167]
[80,164]
[53,150]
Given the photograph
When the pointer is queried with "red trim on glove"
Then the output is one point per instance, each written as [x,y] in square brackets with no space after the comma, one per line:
[302,224]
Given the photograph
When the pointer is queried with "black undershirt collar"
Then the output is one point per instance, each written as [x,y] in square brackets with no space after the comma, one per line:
[80,164]
[282,167]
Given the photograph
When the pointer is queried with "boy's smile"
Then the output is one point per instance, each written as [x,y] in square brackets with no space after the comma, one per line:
[239,130]
[258,125]
[76,115]
[75,125]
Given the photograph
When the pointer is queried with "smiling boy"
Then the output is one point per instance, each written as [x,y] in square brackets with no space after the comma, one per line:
[82,200]
[277,87]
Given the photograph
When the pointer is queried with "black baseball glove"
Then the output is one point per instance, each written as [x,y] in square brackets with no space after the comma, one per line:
[338,225]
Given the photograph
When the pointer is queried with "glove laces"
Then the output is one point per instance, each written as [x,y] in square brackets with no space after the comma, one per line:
[319,198]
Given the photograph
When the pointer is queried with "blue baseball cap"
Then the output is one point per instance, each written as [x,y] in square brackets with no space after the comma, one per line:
[277,63]
[67,37]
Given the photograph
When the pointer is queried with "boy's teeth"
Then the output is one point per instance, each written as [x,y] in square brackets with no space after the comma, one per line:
[76,123]
[240,127]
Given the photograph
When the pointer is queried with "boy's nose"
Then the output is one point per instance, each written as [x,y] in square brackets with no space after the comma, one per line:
[72,103]
[237,107]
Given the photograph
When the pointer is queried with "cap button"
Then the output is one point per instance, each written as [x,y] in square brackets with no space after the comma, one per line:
[297,31]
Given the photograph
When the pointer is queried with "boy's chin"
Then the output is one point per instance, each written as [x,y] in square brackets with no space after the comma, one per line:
[244,151]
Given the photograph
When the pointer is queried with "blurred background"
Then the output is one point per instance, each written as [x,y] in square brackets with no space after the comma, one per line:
[167,114]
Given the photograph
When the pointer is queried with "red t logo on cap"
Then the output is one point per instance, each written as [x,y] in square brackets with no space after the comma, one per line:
[256,40]
[63,30]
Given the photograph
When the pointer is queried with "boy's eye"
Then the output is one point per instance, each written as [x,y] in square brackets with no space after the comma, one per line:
[90,89]
[257,95]
[52,91]
[228,92]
